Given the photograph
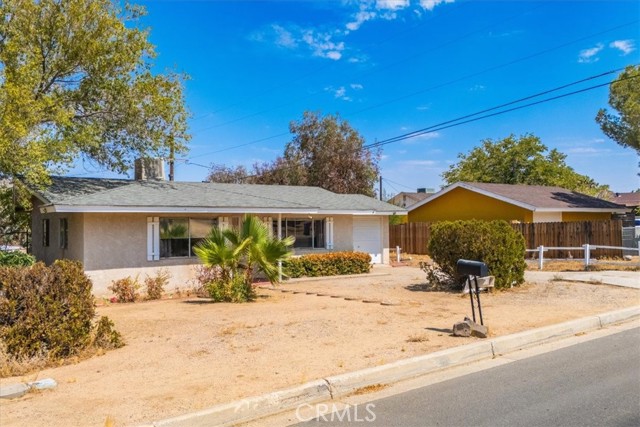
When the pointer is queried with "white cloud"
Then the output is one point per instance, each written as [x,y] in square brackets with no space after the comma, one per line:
[625,46]
[360,18]
[327,42]
[431,4]
[477,88]
[356,86]
[421,163]
[322,44]
[422,137]
[339,93]
[391,4]
[284,38]
[589,55]
[423,107]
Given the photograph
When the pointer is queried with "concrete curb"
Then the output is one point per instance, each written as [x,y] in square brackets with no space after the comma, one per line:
[344,384]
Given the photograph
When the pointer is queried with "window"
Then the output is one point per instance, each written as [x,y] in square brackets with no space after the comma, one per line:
[309,233]
[178,236]
[64,233]
[45,232]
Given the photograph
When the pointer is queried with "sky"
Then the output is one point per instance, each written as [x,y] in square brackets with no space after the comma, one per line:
[390,67]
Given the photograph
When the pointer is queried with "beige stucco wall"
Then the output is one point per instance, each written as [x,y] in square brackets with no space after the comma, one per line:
[113,246]
[75,232]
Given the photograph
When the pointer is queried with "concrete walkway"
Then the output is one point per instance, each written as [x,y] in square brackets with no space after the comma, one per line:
[627,279]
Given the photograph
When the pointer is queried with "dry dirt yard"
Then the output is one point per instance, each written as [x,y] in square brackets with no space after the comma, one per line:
[186,354]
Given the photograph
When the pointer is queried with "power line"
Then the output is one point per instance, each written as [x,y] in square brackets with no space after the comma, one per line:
[438,127]
[434,87]
[421,131]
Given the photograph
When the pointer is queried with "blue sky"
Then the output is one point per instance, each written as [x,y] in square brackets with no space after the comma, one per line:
[392,67]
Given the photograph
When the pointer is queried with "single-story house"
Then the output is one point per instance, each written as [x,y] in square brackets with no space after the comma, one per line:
[406,199]
[120,227]
[522,203]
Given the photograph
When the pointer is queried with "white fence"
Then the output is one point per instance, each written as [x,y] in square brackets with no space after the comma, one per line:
[587,249]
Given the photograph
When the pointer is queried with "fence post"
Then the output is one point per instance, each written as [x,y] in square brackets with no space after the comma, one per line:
[540,257]
[587,255]
[398,253]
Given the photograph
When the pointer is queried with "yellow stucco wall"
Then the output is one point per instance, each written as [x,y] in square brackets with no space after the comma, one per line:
[461,203]
[585,216]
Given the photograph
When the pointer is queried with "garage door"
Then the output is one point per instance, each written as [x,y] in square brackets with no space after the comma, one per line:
[367,237]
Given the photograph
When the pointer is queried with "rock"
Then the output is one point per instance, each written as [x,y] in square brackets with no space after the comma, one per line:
[43,384]
[628,257]
[13,391]
[469,328]
[462,329]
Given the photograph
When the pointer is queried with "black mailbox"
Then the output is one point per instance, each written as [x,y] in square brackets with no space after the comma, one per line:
[465,267]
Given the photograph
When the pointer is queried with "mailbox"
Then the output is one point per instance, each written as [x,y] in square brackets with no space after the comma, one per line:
[465,267]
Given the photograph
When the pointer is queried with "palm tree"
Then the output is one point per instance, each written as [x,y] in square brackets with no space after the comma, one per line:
[248,250]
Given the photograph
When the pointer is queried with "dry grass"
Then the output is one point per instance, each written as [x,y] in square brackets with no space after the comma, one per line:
[369,389]
[418,338]
[578,265]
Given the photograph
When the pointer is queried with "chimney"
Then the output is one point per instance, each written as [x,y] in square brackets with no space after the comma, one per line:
[422,190]
[148,169]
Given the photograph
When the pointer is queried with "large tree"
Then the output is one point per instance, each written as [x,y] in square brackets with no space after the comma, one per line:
[523,160]
[624,97]
[325,152]
[76,80]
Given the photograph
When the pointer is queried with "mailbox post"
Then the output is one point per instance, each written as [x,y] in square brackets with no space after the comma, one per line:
[473,269]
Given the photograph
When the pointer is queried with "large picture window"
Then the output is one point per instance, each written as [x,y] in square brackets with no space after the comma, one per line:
[178,236]
[309,233]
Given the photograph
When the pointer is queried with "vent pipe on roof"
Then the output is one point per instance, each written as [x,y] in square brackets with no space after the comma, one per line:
[148,169]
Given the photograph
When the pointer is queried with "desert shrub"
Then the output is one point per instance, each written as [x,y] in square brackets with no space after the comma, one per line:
[106,336]
[495,243]
[329,264]
[155,284]
[236,289]
[125,289]
[15,259]
[46,310]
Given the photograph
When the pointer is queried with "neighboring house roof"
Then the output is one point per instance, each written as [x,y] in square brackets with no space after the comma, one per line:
[406,199]
[119,195]
[537,198]
[628,199]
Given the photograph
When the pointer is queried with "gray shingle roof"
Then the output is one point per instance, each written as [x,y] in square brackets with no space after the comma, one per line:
[131,195]
[540,196]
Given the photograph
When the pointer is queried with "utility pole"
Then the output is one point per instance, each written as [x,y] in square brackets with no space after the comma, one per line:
[380,187]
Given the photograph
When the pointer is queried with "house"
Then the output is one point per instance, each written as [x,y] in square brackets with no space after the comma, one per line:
[120,227]
[406,199]
[522,203]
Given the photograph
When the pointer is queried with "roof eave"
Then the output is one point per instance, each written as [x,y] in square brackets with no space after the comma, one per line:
[195,209]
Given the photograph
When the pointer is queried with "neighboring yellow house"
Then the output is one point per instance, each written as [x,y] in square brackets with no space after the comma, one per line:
[523,203]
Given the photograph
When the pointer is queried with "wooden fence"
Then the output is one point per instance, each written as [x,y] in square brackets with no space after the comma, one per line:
[414,237]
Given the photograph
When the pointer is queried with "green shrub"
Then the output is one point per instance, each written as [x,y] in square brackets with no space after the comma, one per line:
[15,259]
[46,310]
[236,289]
[125,289]
[329,264]
[155,284]
[495,243]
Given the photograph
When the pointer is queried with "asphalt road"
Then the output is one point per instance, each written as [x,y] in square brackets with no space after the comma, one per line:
[596,383]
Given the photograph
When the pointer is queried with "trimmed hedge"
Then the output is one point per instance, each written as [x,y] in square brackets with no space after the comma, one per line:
[495,243]
[16,259]
[329,264]
[48,311]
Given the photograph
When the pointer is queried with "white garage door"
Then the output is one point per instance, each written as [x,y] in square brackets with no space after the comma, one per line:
[367,237]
